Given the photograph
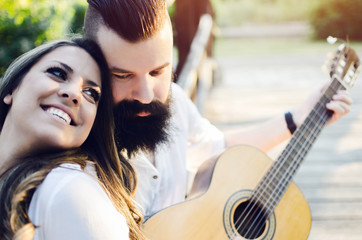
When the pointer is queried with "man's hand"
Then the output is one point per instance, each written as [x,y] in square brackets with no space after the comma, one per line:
[340,104]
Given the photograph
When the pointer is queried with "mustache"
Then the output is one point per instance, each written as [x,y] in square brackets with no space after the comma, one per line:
[130,108]
[135,133]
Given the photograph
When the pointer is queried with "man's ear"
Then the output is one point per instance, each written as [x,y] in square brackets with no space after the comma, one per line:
[8,99]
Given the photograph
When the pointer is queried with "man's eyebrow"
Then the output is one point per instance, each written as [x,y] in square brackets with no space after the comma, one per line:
[162,66]
[120,70]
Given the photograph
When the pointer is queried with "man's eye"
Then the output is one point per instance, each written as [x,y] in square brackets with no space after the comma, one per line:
[155,73]
[92,95]
[57,72]
[123,76]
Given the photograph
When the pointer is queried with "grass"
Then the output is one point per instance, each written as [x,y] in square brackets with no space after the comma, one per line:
[237,12]
[260,46]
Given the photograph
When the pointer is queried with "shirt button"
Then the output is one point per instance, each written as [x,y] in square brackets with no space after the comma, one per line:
[155,177]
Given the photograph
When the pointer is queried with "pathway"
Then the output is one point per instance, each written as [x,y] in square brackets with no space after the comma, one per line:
[254,89]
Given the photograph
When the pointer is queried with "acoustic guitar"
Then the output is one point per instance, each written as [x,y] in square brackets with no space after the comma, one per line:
[244,193]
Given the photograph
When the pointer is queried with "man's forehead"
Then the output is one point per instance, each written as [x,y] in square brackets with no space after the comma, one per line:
[126,56]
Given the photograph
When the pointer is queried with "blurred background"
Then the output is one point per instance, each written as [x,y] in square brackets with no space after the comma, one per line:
[28,23]
[266,57]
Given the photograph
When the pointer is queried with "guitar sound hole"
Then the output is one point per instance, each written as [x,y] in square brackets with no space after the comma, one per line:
[249,220]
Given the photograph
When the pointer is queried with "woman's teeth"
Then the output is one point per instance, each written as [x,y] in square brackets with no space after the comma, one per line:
[60,114]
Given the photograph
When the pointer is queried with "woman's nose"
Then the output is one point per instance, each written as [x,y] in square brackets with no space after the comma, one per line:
[71,92]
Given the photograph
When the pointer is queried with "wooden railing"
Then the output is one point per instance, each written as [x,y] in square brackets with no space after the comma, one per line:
[197,73]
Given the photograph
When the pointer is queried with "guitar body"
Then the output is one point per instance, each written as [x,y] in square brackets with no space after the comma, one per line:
[214,213]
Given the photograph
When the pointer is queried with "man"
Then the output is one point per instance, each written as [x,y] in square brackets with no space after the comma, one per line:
[157,125]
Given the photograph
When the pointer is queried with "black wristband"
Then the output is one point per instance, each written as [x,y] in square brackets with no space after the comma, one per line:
[290,122]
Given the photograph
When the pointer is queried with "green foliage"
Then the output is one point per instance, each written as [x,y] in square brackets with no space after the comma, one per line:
[29,23]
[238,12]
[171,10]
[76,23]
[338,18]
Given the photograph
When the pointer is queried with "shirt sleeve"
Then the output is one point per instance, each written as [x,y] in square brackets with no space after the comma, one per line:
[204,139]
[78,208]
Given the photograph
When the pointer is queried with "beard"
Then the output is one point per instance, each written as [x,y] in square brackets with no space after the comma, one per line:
[134,133]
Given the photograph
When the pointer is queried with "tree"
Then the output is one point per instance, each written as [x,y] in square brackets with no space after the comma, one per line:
[339,18]
[29,23]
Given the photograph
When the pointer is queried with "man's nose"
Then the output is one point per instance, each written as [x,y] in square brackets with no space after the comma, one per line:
[144,90]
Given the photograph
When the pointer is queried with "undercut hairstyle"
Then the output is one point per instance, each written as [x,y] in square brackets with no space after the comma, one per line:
[132,20]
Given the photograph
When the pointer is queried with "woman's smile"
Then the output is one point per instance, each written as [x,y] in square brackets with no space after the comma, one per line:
[59,114]
[60,109]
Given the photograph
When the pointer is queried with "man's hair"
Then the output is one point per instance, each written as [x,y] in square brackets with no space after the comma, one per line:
[133,20]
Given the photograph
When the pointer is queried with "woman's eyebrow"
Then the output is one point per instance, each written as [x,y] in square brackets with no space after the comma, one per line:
[67,67]
[92,83]
[70,70]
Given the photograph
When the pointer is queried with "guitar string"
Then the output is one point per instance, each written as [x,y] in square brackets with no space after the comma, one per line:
[269,203]
[246,217]
[317,128]
[285,186]
[275,200]
[314,135]
[296,164]
[252,210]
[259,215]
[305,146]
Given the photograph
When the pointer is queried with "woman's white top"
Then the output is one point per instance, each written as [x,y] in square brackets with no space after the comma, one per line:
[71,204]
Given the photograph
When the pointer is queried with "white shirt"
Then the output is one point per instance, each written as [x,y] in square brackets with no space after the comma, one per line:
[193,141]
[71,204]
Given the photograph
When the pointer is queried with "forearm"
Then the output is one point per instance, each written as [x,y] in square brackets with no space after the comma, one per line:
[265,136]
[270,134]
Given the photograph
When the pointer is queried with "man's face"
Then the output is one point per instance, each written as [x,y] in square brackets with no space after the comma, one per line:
[142,70]
[141,78]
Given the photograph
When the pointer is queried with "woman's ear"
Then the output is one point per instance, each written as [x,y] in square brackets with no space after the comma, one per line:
[8,99]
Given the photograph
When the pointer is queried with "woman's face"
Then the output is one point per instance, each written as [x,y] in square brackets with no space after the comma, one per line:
[56,103]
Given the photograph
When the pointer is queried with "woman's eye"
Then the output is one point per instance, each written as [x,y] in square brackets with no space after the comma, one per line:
[92,95]
[57,72]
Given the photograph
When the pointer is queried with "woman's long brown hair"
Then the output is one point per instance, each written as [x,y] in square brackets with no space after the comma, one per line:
[115,174]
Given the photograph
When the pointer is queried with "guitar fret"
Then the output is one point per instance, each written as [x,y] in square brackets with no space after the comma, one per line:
[245,216]
[275,182]
[277,179]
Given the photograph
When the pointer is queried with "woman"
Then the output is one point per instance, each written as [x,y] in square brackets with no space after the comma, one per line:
[60,174]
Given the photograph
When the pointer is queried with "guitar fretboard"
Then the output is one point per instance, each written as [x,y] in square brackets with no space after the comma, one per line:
[273,185]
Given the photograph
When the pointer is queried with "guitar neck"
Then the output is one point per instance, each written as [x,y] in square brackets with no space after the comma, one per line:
[273,185]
